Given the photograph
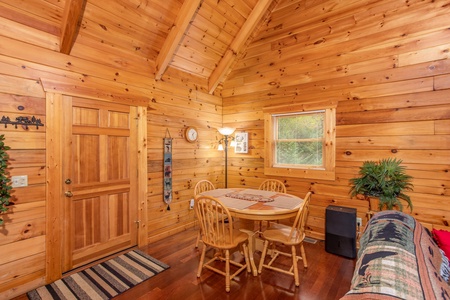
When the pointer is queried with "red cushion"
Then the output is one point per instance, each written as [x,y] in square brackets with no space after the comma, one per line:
[442,238]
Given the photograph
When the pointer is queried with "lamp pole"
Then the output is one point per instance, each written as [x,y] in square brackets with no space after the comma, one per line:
[226,132]
[226,159]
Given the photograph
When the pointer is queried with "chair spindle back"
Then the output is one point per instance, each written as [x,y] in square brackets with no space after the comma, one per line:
[203,186]
[298,228]
[212,214]
[273,185]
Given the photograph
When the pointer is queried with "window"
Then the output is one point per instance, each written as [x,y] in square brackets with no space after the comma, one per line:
[300,140]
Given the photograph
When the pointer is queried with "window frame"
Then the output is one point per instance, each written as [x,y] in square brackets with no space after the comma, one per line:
[327,172]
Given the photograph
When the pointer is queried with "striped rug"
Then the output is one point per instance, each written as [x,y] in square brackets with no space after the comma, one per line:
[103,281]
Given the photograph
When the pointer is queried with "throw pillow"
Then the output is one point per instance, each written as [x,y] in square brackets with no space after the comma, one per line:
[442,238]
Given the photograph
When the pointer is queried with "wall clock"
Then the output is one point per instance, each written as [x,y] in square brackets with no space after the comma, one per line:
[191,134]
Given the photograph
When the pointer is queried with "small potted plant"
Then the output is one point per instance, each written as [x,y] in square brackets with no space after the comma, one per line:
[385,180]
[4,179]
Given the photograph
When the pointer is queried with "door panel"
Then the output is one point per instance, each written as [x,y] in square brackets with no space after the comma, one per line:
[100,191]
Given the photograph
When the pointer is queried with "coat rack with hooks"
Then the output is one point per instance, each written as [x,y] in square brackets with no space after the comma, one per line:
[26,121]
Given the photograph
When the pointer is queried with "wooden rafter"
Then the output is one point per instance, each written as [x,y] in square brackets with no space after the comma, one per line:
[238,44]
[73,13]
[176,33]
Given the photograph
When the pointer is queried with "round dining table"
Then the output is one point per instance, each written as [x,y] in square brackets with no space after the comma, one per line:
[249,205]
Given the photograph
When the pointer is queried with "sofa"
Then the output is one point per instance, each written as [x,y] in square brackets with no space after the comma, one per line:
[398,259]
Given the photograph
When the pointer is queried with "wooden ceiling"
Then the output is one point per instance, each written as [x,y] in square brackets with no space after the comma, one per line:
[202,38]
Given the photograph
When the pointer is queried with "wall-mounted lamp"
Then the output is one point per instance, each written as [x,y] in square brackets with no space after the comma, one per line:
[226,132]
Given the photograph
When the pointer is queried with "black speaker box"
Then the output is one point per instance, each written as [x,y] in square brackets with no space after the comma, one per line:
[340,231]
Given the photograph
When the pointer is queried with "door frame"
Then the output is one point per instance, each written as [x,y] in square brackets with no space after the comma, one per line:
[54,179]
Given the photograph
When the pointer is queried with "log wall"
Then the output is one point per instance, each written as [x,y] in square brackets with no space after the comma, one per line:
[22,242]
[171,106]
[385,62]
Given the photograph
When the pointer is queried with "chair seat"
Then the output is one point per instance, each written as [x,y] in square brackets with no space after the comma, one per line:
[280,233]
[238,238]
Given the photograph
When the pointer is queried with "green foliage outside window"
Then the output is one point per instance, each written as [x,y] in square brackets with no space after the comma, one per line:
[4,179]
[299,139]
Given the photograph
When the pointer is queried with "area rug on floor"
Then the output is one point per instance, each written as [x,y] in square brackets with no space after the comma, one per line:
[103,281]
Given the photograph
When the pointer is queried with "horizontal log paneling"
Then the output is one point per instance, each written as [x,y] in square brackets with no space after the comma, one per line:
[24,230]
[26,70]
[28,34]
[31,105]
[23,241]
[21,268]
[395,142]
[25,140]
[385,62]
[20,86]
[386,129]
[389,75]
[22,249]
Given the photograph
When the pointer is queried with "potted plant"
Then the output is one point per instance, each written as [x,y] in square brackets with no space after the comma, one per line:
[4,179]
[384,179]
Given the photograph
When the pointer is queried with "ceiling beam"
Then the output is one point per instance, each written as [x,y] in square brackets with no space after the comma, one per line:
[176,33]
[238,44]
[73,13]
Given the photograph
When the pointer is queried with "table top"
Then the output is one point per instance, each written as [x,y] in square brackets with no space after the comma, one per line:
[254,204]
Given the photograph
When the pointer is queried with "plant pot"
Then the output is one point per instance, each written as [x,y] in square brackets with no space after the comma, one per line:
[374,207]
[374,204]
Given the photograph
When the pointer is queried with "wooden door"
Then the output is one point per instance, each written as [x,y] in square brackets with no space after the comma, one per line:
[99,180]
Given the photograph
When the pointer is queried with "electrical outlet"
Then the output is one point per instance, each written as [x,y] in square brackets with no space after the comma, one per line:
[358,222]
[191,204]
[19,181]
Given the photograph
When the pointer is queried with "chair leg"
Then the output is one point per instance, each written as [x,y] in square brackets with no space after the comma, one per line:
[263,256]
[294,265]
[302,251]
[227,270]
[200,265]
[199,235]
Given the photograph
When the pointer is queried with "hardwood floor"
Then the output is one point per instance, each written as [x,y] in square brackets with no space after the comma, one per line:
[326,278]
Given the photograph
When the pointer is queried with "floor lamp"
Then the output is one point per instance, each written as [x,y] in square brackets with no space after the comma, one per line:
[226,132]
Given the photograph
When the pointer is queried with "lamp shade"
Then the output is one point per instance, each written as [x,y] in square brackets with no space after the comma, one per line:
[226,130]
[220,147]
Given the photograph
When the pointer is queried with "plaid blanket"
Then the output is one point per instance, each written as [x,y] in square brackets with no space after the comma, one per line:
[398,259]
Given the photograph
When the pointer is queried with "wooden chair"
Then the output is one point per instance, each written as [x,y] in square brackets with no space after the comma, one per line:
[221,236]
[272,185]
[200,187]
[203,186]
[289,236]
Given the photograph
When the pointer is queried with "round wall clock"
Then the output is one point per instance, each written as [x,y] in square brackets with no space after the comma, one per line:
[191,134]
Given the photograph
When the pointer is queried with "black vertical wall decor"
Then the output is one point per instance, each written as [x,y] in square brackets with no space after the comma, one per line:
[167,184]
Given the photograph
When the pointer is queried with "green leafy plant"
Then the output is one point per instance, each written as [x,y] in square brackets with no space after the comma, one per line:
[4,179]
[385,179]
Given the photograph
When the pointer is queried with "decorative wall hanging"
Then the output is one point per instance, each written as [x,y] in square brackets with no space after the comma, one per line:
[22,121]
[167,184]
[241,139]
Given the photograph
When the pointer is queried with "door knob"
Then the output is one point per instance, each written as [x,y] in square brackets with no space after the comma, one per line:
[68,194]
[68,181]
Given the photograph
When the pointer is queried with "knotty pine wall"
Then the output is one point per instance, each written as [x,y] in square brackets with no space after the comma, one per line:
[171,106]
[385,62]
[169,116]
[22,241]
